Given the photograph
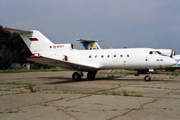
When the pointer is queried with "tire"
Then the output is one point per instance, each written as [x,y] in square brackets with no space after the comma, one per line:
[91,75]
[76,76]
[147,78]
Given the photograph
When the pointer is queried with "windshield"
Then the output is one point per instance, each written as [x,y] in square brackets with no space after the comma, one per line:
[155,52]
[159,53]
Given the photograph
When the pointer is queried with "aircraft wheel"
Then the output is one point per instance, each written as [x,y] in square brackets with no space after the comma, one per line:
[91,75]
[147,78]
[76,76]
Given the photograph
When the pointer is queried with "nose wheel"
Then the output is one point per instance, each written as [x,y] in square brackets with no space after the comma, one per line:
[148,78]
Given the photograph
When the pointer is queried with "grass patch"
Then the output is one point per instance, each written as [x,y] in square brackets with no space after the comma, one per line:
[113,93]
[12,111]
[175,73]
[45,103]
[13,83]
[113,109]
[135,95]
[91,93]
[127,94]
[8,89]
[17,83]
[31,87]
[31,70]
[65,91]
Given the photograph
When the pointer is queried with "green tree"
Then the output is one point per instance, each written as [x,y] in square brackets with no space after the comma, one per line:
[5,57]
[12,49]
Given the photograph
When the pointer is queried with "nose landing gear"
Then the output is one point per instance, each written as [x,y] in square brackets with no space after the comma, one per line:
[148,78]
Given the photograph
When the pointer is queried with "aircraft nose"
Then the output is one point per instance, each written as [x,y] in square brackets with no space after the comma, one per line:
[172,62]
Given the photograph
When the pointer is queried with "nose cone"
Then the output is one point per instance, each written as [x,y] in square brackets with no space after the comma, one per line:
[171,62]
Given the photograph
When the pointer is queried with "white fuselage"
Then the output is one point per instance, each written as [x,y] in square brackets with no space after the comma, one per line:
[132,58]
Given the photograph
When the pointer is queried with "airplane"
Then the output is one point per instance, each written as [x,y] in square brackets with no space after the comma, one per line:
[91,61]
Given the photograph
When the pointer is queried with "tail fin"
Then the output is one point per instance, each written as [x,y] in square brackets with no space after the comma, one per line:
[35,40]
[90,44]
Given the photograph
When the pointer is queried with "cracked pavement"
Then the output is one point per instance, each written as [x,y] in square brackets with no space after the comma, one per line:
[57,97]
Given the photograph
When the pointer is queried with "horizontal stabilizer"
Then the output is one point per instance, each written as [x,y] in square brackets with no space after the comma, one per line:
[90,44]
[18,31]
[83,40]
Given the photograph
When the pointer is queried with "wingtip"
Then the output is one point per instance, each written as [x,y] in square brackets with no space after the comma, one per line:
[79,39]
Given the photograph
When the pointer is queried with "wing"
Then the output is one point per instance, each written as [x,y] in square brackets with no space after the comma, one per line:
[18,31]
[64,64]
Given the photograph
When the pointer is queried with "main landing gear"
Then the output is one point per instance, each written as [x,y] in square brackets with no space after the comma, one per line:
[76,76]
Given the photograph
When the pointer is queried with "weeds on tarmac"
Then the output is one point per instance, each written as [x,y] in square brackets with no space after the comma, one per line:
[127,94]
[175,73]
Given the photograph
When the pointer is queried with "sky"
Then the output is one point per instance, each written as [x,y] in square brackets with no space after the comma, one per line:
[120,23]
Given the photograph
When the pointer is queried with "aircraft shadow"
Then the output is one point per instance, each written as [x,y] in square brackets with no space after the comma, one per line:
[69,80]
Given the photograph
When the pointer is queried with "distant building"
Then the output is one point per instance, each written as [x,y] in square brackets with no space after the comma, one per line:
[15,66]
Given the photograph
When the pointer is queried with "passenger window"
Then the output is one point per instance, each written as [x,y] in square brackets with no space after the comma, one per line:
[114,55]
[127,55]
[95,56]
[102,56]
[108,56]
[150,52]
[89,56]
[121,55]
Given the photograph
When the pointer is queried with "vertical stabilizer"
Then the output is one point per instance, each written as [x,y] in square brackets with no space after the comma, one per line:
[35,40]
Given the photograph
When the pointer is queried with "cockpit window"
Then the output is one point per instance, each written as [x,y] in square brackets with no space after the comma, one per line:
[152,52]
[155,52]
[159,52]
